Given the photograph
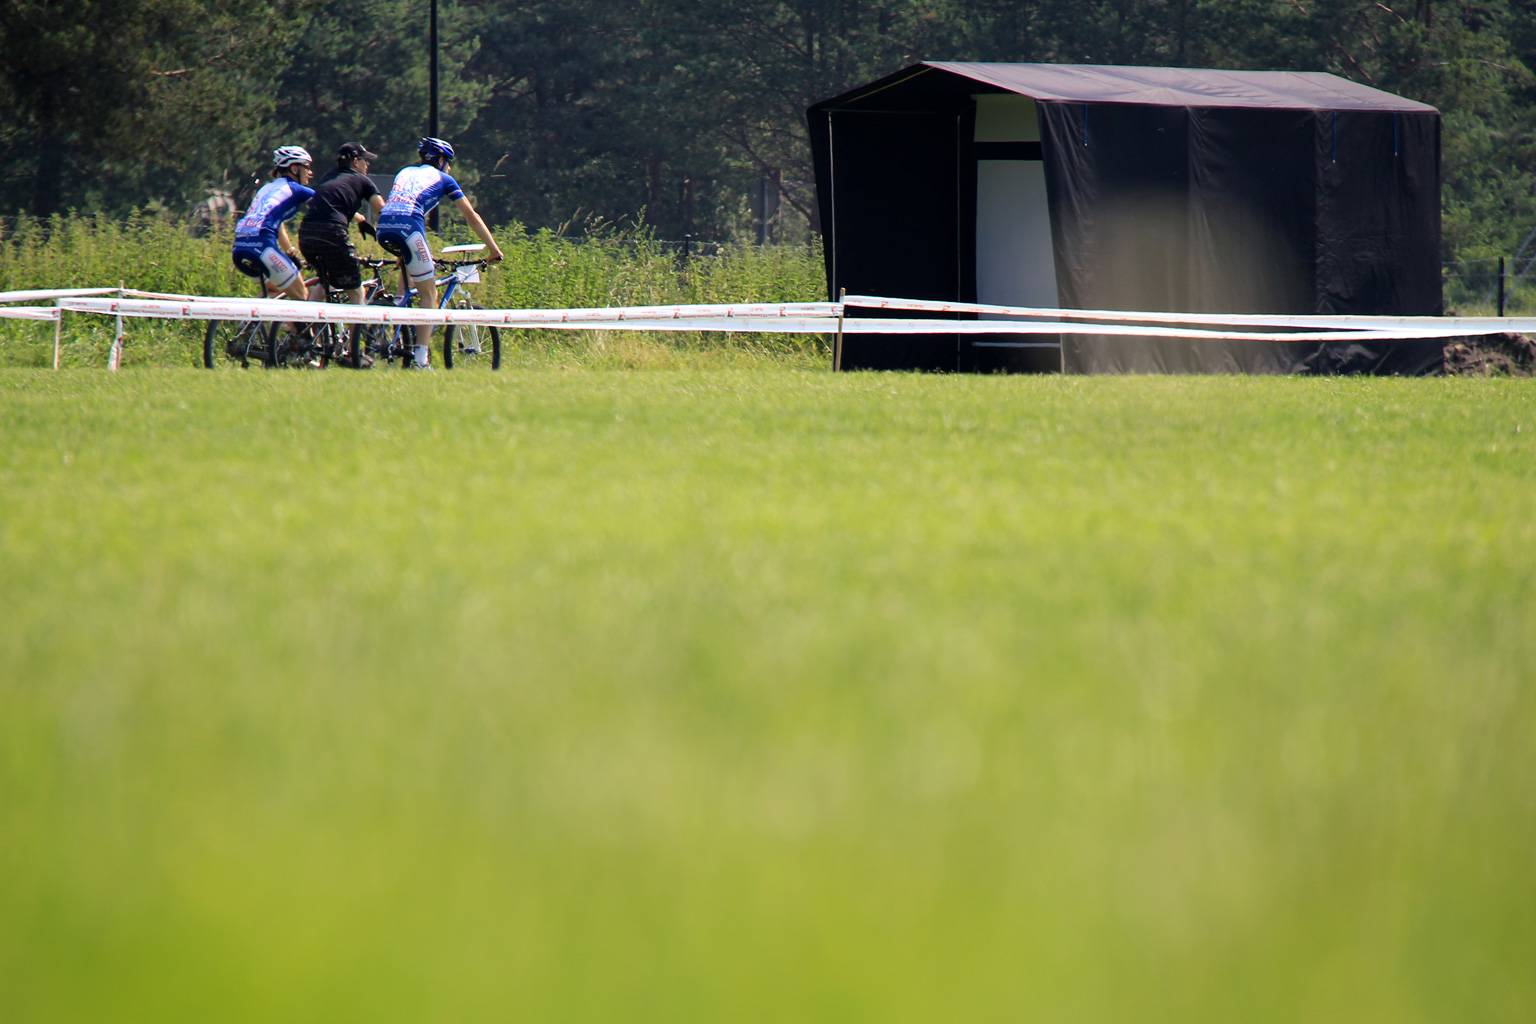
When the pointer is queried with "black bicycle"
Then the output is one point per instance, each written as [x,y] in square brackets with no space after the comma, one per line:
[378,343]
[264,341]
[244,341]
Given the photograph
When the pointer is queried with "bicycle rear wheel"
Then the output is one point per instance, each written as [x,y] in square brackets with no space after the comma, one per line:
[239,340]
[471,343]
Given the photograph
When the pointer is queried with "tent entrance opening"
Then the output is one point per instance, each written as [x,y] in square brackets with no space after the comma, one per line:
[1015,264]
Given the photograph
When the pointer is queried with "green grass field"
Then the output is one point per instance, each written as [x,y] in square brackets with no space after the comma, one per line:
[759,693]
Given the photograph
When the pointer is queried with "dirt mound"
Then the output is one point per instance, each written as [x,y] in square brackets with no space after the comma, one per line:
[1493,355]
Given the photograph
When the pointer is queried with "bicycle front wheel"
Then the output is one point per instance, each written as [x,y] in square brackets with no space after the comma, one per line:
[471,343]
[377,344]
[358,343]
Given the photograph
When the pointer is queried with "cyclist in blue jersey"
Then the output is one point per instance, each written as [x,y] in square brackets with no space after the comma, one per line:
[262,247]
[402,226]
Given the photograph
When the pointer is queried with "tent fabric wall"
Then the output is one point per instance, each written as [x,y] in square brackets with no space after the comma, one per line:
[1168,189]
[1201,211]
[1378,202]
[1273,211]
[897,192]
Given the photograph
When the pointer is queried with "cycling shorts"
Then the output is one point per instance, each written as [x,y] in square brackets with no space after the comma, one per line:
[332,256]
[411,246]
[266,262]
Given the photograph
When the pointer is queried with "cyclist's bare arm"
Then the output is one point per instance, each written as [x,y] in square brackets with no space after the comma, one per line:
[286,244]
[478,227]
[376,203]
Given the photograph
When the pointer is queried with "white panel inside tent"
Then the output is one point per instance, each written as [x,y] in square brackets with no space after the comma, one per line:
[1014,261]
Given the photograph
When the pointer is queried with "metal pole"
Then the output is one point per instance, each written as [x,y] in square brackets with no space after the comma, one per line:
[432,105]
[115,359]
[762,209]
[1501,286]
[837,342]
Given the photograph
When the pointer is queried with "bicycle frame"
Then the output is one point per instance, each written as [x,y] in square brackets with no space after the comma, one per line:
[447,286]
[396,341]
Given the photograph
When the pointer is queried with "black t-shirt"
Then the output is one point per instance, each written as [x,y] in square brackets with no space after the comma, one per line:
[337,197]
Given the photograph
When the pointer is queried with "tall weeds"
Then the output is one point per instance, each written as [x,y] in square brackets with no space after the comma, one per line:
[611,266]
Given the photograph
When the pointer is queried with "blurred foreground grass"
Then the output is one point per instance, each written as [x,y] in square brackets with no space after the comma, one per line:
[773,695]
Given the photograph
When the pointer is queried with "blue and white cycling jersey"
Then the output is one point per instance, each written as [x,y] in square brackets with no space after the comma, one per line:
[416,191]
[277,201]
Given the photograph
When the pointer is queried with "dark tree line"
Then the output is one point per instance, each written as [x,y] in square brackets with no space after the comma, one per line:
[684,116]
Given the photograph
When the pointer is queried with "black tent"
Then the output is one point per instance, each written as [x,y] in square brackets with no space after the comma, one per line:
[1164,189]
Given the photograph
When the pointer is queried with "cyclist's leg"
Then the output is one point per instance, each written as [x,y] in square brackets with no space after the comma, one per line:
[283,280]
[283,276]
[394,244]
[424,278]
[334,259]
[330,252]
[243,337]
[314,292]
[426,294]
[420,273]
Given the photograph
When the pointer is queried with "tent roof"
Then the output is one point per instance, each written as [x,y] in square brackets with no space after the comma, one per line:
[1168,87]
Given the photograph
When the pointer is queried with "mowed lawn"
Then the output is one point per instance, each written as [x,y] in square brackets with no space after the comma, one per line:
[766,695]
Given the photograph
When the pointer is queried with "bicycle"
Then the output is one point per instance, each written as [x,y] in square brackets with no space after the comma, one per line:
[240,340]
[466,343]
[313,344]
[380,342]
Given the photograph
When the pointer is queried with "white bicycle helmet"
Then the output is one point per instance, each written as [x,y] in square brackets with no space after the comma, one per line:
[287,156]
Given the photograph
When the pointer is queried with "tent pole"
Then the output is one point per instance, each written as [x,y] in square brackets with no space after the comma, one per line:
[831,231]
[959,231]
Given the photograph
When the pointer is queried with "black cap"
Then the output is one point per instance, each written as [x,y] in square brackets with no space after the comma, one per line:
[354,150]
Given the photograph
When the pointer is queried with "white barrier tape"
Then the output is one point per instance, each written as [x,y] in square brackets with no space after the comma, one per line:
[134,293]
[49,294]
[291,309]
[741,316]
[1517,325]
[29,312]
[778,322]
[793,325]
[261,309]
[321,312]
[898,326]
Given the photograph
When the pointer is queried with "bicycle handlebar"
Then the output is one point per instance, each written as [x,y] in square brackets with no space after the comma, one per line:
[375,263]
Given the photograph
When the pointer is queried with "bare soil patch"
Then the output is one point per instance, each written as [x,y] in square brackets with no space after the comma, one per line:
[1493,355]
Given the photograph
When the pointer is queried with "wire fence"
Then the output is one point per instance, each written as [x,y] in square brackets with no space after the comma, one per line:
[1495,286]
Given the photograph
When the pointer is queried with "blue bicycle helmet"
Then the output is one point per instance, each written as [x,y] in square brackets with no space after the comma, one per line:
[429,147]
